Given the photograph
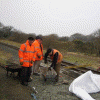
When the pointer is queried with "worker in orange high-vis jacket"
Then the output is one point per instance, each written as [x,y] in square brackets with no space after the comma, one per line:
[56,58]
[27,56]
[39,54]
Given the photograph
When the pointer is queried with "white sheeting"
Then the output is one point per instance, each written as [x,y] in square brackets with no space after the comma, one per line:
[84,84]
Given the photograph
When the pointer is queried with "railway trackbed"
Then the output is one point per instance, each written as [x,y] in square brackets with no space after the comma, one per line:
[66,67]
[74,69]
[48,90]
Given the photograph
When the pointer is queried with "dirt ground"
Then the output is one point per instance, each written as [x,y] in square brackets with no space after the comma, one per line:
[11,89]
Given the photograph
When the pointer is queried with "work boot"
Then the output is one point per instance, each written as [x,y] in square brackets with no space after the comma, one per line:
[25,83]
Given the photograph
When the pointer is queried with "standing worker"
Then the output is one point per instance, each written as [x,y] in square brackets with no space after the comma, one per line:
[39,54]
[26,58]
[56,58]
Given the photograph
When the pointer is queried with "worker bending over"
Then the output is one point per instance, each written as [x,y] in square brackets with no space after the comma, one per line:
[56,58]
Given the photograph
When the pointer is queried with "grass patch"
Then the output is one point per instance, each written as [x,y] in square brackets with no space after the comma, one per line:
[83,59]
[4,57]
[11,43]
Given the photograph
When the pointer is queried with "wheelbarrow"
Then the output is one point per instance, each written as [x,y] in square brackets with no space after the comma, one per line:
[12,68]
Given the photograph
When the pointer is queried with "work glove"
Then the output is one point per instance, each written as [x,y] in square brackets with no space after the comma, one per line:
[39,56]
[21,63]
[32,62]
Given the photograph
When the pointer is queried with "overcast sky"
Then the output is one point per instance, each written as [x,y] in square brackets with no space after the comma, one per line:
[62,17]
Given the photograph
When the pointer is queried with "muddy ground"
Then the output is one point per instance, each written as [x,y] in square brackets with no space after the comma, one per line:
[11,89]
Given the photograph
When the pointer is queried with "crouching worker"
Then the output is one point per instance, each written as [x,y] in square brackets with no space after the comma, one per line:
[56,58]
[26,58]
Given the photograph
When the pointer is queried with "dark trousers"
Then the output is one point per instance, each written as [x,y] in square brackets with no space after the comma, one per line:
[25,73]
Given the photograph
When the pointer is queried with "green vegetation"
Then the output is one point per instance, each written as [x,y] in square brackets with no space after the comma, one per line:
[82,59]
[10,42]
[73,57]
[77,47]
[4,57]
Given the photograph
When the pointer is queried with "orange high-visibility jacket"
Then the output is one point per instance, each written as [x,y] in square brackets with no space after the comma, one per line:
[39,50]
[27,54]
[60,57]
